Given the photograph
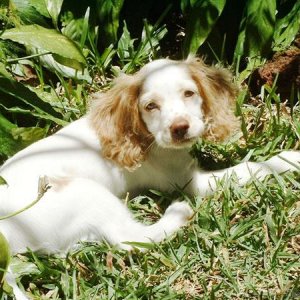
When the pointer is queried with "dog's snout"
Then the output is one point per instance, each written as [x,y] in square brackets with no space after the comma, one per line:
[179,129]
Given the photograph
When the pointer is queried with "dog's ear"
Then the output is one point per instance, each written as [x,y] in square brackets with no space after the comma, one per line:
[218,91]
[115,116]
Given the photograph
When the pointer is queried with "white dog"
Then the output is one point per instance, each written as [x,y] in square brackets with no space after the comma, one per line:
[135,136]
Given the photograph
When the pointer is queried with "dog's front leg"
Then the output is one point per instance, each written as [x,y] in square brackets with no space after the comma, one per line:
[205,183]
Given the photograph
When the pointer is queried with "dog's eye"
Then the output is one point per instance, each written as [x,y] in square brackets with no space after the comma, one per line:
[188,93]
[151,106]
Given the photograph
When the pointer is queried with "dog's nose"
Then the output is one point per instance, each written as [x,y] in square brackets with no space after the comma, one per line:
[179,129]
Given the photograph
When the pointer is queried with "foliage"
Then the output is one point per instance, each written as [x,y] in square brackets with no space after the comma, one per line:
[41,39]
[202,17]
[256,29]
[260,28]
[109,12]
[287,28]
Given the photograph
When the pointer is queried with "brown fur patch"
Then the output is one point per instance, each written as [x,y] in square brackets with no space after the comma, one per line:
[116,119]
[219,92]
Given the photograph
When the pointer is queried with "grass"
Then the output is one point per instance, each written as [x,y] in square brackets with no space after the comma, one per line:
[243,242]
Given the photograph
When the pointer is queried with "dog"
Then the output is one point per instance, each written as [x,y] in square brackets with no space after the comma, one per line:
[135,136]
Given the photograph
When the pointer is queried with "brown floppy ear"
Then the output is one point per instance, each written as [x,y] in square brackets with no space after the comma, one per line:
[218,92]
[115,116]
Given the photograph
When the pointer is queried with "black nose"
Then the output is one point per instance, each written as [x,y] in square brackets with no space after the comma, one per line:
[179,129]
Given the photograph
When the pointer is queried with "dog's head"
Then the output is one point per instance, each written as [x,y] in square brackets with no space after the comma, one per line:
[170,103]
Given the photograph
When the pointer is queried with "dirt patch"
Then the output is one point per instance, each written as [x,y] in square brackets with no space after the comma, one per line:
[287,65]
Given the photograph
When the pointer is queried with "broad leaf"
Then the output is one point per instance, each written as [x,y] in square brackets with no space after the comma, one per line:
[28,135]
[48,40]
[18,94]
[21,268]
[13,138]
[287,28]
[40,6]
[54,7]
[4,256]
[256,30]
[125,44]
[29,13]
[8,146]
[3,71]
[52,64]
[202,16]
[108,13]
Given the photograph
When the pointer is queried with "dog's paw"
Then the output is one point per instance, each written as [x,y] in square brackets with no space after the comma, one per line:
[180,210]
[176,216]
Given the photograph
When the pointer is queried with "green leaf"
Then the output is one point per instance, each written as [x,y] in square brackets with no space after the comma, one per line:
[34,36]
[28,12]
[141,245]
[130,56]
[4,256]
[13,138]
[2,181]
[271,225]
[22,268]
[18,93]
[8,146]
[3,71]
[125,44]
[28,135]
[256,30]
[85,28]
[54,7]
[202,16]
[55,66]
[287,28]
[108,12]
[40,6]
[163,259]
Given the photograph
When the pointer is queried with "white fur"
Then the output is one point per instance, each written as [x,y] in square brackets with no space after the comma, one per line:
[83,200]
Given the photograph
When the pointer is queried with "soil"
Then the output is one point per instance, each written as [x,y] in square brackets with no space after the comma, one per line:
[287,65]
